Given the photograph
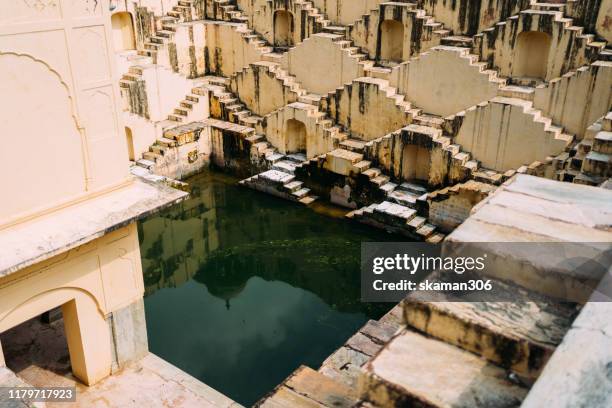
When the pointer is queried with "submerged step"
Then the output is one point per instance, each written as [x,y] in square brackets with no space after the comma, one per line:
[414,370]
[520,333]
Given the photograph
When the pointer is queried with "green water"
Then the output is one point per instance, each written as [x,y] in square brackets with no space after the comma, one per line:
[242,288]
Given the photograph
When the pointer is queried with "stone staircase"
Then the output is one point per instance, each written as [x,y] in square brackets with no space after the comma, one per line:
[425,25]
[133,90]
[280,180]
[293,91]
[590,161]
[335,385]
[172,137]
[546,14]
[226,10]
[554,134]
[485,353]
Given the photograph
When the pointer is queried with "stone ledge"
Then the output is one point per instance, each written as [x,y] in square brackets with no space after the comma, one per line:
[34,241]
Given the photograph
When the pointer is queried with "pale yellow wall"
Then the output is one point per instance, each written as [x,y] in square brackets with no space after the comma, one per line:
[455,15]
[260,89]
[62,133]
[334,66]
[228,51]
[576,100]
[89,282]
[318,140]
[503,135]
[261,18]
[345,12]
[416,36]
[501,46]
[190,43]
[366,110]
[443,81]
[604,20]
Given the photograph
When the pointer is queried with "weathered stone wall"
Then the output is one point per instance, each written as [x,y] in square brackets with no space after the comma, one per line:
[594,15]
[412,153]
[567,50]
[444,81]
[469,17]
[368,34]
[345,12]
[450,207]
[505,134]
[366,109]
[578,99]
[190,41]
[260,89]
[321,64]
[318,140]
[261,15]
[227,51]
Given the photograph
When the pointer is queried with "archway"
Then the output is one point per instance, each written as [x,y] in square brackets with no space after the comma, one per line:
[391,41]
[531,55]
[283,29]
[123,31]
[416,162]
[86,330]
[129,140]
[295,136]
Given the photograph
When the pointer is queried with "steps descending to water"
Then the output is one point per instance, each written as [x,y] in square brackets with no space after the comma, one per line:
[280,180]
[414,370]
[519,334]
[397,219]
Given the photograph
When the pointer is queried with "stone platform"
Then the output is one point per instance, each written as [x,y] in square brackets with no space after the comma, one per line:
[37,356]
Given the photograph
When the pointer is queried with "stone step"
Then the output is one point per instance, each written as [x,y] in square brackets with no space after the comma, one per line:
[308,200]
[526,93]
[144,163]
[457,41]
[301,193]
[402,197]
[415,189]
[414,370]
[294,186]
[345,363]
[519,334]
[393,214]
[306,387]
[276,177]
[353,145]
[285,166]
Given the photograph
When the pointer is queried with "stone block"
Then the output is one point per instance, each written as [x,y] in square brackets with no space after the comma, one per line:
[129,334]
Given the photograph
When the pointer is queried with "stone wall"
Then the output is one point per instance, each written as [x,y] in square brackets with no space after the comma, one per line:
[367,108]
[262,88]
[444,81]
[333,65]
[578,99]
[227,51]
[505,134]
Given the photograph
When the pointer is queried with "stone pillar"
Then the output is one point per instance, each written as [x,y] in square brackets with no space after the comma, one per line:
[88,340]
[129,334]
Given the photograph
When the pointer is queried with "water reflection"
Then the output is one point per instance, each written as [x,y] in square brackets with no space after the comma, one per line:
[260,286]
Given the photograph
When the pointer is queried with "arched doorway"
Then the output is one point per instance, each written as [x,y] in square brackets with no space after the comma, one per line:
[416,162]
[295,136]
[531,56]
[391,41]
[283,29]
[130,143]
[123,31]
